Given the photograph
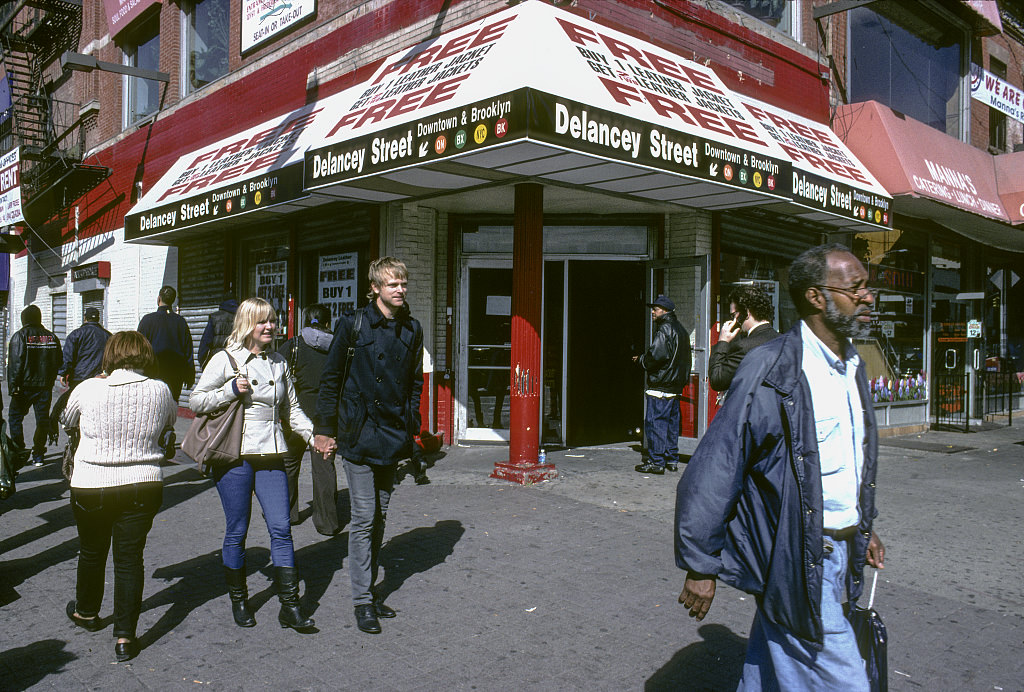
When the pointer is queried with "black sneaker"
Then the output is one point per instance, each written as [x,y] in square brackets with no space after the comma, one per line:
[648,467]
[672,467]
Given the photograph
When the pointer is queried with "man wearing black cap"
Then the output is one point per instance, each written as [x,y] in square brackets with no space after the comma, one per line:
[83,351]
[667,363]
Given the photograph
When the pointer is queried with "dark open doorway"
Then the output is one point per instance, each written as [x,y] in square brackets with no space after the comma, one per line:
[606,316]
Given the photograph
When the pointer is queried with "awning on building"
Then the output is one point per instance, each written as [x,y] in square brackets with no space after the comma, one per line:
[1010,180]
[930,174]
[252,171]
[829,184]
[530,93]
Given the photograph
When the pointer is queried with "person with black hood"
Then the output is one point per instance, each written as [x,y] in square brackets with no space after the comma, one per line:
[218,329]
[667,363]
[33,358]
[306,355]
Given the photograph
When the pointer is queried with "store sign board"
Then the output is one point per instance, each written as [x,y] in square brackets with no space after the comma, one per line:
[338,282]
[10,188]
[997,93]
[265,20]
[826,174]
[536,49]
[254,169]
[272,285]
[121,13]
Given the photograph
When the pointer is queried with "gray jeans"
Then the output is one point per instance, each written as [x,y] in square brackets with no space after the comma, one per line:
[369,487]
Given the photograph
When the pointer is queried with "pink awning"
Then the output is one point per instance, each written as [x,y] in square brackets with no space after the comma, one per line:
[1010,179]
[933,176]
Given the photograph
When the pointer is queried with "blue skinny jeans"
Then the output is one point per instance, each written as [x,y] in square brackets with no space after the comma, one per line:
[235,484]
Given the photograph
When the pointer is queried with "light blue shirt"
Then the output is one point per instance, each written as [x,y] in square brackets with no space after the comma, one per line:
[839,422]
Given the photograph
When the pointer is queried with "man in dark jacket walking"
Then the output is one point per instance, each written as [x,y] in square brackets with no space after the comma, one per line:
[779,498]
[218,329]
[306,354]
[83,351]
[371,424]
[667,363]
[33,358]
[748,327]
[171,339]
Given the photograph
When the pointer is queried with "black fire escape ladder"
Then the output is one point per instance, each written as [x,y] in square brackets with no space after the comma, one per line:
[50,132]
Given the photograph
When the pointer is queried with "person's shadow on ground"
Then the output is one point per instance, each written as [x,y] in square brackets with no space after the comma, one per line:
[317,564]
[711,665]
[196,581]
[417,551]
[28,665]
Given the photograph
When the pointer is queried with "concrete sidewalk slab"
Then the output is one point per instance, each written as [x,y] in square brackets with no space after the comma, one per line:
[566,584]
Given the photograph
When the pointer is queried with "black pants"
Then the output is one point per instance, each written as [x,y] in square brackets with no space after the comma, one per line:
[325,486]
[37,399]
[122,515]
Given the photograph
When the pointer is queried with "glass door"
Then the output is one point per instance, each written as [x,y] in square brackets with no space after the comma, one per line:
[685,282]
[488,356]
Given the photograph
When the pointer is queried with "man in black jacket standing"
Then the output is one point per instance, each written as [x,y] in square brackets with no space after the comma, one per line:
[370,419]
[33,358]
[171,339]
[83,351]
[667,363]
[748,327]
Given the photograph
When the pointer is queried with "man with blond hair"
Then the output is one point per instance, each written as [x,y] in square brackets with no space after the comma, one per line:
[368,412]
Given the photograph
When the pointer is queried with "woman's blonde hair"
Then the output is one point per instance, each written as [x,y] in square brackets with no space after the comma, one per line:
[128,351]
[251,312]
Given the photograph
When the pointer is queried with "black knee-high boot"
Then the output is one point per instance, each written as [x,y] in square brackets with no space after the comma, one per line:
[239,594]
[286,580]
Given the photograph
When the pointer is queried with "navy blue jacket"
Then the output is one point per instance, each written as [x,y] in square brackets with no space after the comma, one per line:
[218,329]
[83,352]
[379,413]
[749,507]
[172,344]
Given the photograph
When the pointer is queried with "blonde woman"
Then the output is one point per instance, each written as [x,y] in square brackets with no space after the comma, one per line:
[260,378]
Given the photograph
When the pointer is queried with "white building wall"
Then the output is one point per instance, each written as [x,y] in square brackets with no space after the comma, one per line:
[136,274]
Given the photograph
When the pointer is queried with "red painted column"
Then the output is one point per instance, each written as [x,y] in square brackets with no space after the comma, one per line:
[526,377]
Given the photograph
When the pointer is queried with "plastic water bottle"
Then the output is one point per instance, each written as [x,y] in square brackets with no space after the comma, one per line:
[542,456]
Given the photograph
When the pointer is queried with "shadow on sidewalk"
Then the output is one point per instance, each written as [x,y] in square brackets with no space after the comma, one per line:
[26,666]
[317,564]
[199,579]
[417,551]
[713,664]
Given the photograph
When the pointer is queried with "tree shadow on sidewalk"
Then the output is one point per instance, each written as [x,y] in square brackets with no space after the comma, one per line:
[199,579]
[26,666]
[710,665]
[417,551]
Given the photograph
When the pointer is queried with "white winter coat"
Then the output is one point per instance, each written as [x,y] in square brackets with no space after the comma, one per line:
[271,401]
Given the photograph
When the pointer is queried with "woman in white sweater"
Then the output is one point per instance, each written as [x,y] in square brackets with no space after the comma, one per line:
[116,487]
[245,369]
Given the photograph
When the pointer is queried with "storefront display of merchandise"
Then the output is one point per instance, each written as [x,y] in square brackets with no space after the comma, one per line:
[885,389]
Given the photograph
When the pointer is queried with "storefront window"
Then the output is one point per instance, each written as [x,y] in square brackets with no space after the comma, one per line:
[268,279]
[915,69]
[894,353]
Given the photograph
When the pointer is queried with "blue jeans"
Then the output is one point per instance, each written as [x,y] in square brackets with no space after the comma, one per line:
[776,660]
[369,487]
[123,515]
[38,399]
[235,485]
[661,425]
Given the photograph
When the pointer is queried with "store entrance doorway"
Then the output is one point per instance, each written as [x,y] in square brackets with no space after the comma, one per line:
[604,329]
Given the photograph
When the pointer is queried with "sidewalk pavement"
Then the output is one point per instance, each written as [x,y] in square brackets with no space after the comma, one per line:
[567,584]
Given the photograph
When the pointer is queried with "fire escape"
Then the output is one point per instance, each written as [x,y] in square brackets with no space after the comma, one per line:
[50,132]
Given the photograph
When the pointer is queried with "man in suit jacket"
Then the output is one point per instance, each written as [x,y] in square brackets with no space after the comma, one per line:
[751,312]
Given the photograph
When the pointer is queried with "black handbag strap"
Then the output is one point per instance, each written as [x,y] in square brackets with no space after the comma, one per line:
[357,324]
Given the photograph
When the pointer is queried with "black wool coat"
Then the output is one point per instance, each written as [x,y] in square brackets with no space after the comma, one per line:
[379,412]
